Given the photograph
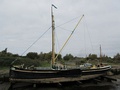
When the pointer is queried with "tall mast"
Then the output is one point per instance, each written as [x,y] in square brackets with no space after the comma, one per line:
[53,34]
[100,55]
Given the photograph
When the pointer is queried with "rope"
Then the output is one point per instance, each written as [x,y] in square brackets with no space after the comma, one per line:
[89,35]
[35,42]
[31,45]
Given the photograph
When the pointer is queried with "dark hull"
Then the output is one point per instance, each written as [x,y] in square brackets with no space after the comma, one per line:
[49,73]
[41,74]
[96,71]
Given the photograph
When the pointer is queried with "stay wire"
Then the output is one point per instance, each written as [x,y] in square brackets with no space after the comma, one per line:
[66,23]
[35,42]
[89,35]
[44,33]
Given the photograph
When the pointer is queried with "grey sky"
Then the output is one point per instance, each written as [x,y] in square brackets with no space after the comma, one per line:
[23,21]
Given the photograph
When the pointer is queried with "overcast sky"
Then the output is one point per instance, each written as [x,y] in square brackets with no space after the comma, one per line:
[22,22]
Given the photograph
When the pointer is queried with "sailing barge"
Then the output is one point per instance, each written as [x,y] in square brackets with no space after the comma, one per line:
[53,75]
[21,73]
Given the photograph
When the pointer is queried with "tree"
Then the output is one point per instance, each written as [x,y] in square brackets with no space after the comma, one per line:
[41,56]
[117,57]
[32,55]
[68,57]
[4,52]
[48,56]
[59,57]
[92,56]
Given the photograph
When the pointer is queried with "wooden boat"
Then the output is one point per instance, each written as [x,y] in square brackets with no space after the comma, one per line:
[38,76]
[22,73]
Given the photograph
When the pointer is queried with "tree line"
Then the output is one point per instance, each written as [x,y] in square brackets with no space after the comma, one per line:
[6,58]
[34,55]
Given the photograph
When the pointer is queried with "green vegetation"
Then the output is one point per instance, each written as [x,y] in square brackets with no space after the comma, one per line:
[44,59]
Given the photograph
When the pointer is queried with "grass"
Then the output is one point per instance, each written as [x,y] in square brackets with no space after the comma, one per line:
[4,70]
[45,64]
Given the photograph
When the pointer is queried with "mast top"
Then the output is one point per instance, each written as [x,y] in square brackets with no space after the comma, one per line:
[54,6]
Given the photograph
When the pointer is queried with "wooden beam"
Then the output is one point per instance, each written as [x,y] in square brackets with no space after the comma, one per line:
[97,80]
[109,78]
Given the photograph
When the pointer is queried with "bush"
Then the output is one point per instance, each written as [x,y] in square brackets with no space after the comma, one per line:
[6,61]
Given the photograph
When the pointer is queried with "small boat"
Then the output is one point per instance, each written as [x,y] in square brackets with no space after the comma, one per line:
[98,70]
[89,69]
